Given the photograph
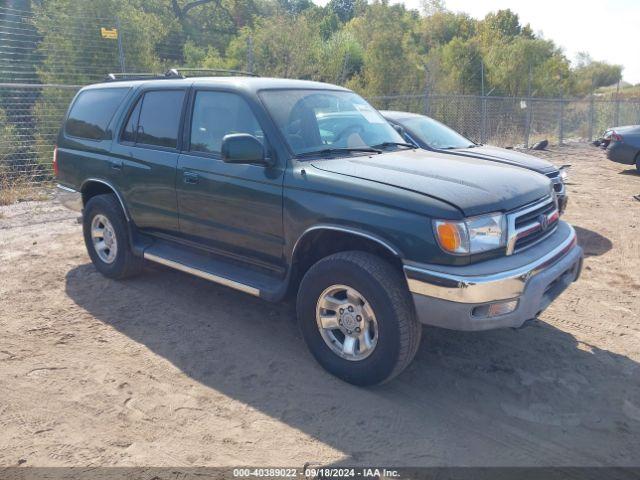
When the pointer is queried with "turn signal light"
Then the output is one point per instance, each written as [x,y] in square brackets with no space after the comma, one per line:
[449,236]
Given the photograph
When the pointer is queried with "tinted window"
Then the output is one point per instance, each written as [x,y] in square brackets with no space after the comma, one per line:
[92,111]
[160,118]
[434,133]
[129,132]
[216,114]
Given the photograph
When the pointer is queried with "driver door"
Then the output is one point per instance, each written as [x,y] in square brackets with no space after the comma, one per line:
[231,209]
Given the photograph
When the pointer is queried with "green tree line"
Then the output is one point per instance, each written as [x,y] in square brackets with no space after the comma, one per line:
[375,48]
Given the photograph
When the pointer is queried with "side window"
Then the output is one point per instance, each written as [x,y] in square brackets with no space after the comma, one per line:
[159,118]
[130,129]
[92,111]
[216,114]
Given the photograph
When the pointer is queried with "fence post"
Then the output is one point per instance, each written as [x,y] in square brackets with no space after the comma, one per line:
[121,59]
[616,119]
[426,92]
[483,107]
[250,54]
[561,120]
[591,107]
[529,106]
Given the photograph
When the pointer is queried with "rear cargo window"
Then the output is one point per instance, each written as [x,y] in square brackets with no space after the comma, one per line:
[92,111]
[159,118]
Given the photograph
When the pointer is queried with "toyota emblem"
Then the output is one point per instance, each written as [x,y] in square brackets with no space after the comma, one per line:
[544,222]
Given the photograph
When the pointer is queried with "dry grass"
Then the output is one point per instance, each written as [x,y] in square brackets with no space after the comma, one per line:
[14,190]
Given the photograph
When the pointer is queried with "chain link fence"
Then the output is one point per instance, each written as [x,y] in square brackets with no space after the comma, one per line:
[42,65]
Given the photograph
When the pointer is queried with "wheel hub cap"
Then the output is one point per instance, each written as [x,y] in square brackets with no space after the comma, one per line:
[104,238]
[346,322]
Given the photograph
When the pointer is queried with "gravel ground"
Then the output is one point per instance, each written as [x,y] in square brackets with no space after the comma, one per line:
[170,370]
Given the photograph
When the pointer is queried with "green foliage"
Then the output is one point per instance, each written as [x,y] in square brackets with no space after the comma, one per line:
[590,74]
[377,48]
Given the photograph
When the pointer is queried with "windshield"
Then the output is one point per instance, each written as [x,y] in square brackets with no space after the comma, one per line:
[434,133]
[318,120]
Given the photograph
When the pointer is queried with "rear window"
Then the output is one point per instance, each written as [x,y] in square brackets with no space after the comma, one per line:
[159,118]
[92,111]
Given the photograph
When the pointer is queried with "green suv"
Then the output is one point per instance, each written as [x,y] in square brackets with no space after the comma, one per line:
[283,188]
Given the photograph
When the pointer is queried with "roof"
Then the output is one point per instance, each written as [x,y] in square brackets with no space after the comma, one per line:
[252,84]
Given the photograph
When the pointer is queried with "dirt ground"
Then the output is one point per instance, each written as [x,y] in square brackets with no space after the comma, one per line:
[170,370]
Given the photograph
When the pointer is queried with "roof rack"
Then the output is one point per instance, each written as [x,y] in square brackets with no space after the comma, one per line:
[180,72]
[173,74]
[122,77]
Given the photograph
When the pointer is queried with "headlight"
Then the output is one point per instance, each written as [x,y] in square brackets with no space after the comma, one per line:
[472,235]
[564,173]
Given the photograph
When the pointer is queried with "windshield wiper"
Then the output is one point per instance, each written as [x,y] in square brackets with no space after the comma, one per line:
[394,144]
[332,151]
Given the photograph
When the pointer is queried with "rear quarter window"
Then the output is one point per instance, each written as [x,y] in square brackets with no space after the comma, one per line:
[92,111]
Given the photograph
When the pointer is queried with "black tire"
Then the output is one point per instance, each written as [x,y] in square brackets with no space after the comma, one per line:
[385,289]
[125,264]
[638,161]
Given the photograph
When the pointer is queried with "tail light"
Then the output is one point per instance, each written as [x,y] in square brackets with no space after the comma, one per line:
[55,160]
[616,137]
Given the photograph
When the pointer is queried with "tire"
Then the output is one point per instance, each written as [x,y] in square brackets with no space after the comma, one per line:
[119,262]
[638,161]
[385,291]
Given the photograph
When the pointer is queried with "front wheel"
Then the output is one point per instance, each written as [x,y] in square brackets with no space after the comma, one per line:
[357,317]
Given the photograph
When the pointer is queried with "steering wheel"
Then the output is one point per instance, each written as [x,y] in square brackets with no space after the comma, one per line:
[347,131]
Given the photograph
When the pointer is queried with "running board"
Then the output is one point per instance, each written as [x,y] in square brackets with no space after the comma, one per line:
[203,274]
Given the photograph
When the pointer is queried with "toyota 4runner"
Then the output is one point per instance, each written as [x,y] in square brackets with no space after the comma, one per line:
[283,187]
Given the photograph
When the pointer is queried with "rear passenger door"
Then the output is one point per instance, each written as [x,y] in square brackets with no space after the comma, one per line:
[148,156]
[231,209]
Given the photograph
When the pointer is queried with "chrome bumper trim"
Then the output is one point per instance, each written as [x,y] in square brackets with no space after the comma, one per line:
[483,288]
[70,198]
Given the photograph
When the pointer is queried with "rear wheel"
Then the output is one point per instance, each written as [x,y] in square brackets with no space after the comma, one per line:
[357,317]
[106,237]
[638,161]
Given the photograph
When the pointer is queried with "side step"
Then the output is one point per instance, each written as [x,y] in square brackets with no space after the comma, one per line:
[215,269]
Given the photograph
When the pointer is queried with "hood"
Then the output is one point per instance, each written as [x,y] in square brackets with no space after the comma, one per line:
[474,186]
[509,157]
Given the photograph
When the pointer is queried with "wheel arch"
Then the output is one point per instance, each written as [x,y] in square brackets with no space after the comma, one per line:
[95,186]
[320,241]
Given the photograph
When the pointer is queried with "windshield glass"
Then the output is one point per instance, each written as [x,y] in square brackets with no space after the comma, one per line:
[434,133]
[315,120]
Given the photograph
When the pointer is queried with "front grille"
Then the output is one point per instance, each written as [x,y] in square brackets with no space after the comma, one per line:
[532,224]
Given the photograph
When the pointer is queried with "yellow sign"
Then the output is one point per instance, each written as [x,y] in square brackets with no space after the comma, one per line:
[111,33]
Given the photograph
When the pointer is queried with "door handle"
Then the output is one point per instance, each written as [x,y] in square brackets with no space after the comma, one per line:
[117,165]
[190,177]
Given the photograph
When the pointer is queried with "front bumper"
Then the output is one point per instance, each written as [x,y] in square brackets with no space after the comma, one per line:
[457,297]
[69,197]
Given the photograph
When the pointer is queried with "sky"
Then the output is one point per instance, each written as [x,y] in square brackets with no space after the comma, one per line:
[608,30]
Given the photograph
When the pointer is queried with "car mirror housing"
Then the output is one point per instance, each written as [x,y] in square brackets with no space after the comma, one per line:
[243,148]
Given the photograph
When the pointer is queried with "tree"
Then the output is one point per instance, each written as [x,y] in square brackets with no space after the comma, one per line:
[344,9]
[590,74]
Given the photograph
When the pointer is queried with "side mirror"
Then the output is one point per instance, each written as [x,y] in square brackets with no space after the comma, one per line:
[243,148]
